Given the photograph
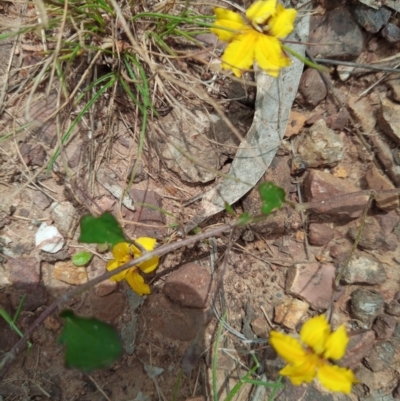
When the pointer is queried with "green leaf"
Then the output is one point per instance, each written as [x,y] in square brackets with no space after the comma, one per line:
[81,258]
[101,230]
[272,197]
[244,219]
[90,343]
[229,209]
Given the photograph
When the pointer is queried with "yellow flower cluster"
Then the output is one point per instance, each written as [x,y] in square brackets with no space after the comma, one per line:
[257,39]
[310,357]
[123,253]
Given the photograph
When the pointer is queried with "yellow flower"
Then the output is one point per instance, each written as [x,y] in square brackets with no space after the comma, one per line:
[256,40]
[123,253]
[309,358]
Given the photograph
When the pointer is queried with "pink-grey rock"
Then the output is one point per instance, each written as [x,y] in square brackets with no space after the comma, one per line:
[366,305]
[33,155]
[359,346]
[381,356]
[394,88]
[371,20]
[393,308]
[389,119]
[363,112]
[320,234]
[320,186]
[96,268]
[40,200]
[24,271]
[108,308]
[338,120]
[290,312]
[321,147]
[312,283]
[384,326]
[65,218]
[171,320]
[189,285]
[391,33]
[312,87]
[260,327]
[364,270]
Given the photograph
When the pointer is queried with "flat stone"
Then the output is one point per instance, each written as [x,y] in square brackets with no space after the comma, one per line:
[49,239]
[295,123]
[364,270]
[371,20]
[148,211]
[376,180]
[391,33]
[171,320]
[363,112]
[96,268]
[290,312]
[189,285]
[40,200]
[381,356]
[366,305]
[312,283]
[338,120]
[339,35]
[358,347]
[65,217]
[321,147]
[108,308]
[312,87]
[393,308]
[33,154]
[320,234]
[24,272]
[36,296]
[69,273]
[389,119]
[260,327]
[320,186]
[384,326]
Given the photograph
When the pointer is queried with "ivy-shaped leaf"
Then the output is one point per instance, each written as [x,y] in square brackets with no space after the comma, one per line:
[272,197]
[81,258]
[90,343]
[101,230]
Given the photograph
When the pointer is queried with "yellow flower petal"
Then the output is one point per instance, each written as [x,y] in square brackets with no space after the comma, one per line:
[301,373]
[336,344]
[239,55]
[334,378]
[287,347]
[136,281]
[230,20]
[315,333]
[282,23]
[112,265]
[121,251]
[260,11]
[148,244]
[269,55]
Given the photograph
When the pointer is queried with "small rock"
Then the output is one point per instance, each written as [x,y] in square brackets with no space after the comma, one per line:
[52,323]
[36,296]
[260,327]
[312,87]
[364,270]
[391,33]
[65,217]
[338,120]
[140,174]
[295,123]
[366,305]
[290,312]
[49,239]
[190,286]
[148,211]
[34,155]
[389,119]
[96,268]
[320,234]
[321,147]
[394,86]
[171,320]
[24,272]
[69,273]
[393,308]
[40,200]
[396,332]
[363,112]
[358,347]
[339,171]
[381,356]
[371,20]
[376,180]
[108,308]
[396,391]
[320,186]
[312,283]
[339,36]
[384,327]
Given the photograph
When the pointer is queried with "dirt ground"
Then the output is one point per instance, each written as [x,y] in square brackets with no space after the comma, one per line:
[343,137]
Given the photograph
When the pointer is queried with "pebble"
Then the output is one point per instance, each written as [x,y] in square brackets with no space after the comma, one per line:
[260,327]
[358,347]
[320,234]
[108,308]
[393,308]
[65,217]
[394,87]
[384,326]
[312,87]
[376,180]
[40,200]
[371,20]
[321,147]
[381,356]
[320,186]
[364,270]
[49,239]
[389,119]
[33,155]
[96,268]
[312,283]
[189,285]
[338,120]
[24,272]
[366,305]
[338,34]
[69,273]
[290,312]
[391,33]
[363,112]
[295,123]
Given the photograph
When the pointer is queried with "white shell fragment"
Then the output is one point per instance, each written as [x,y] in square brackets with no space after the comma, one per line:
[49,239]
